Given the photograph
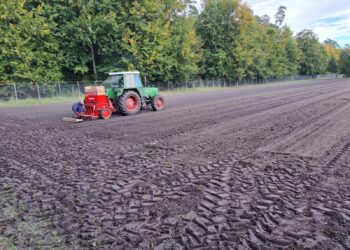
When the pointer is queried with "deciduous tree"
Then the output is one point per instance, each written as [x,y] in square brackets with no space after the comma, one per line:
[313,58]
[345,61]
[28,51]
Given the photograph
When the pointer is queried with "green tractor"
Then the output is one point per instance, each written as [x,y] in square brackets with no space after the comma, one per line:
[129,95]
[126,94]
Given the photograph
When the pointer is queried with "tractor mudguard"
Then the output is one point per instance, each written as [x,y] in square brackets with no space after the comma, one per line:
[149,92]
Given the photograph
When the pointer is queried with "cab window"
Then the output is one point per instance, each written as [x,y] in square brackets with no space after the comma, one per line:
[114,81]
[138,82]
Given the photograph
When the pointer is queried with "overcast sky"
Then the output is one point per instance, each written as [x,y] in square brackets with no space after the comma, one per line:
[328,18]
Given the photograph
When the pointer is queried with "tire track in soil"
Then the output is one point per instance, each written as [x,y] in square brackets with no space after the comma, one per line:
[208,206]
[201,122]
[285,236]
[151,144]
[210,201]
[39,132]
[226,134]
[157,144]
[229,203]
[324,207]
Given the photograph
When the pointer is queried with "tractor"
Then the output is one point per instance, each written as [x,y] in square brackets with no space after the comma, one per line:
[125,94]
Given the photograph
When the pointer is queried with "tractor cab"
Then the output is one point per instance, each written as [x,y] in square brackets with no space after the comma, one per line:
[128,80]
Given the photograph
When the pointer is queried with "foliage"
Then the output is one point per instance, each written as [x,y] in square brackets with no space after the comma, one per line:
[249,47]
[218,28]
[345,61]
[185,49]
[314,59]
[167,40]
[333,54]
[159,42]
[28,51]
[88,32]
[332,43]
[265,19]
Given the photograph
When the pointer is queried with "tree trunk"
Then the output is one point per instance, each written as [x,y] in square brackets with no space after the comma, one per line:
[93,60]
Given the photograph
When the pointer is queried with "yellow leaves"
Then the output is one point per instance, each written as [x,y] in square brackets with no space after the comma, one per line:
[332,52]
[151,57]
[152,5]
[248,24]
[129,42]
[245,14]
[131,67]
[137,9]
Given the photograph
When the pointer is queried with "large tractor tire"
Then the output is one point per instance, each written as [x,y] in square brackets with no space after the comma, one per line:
[130,103]
[158,103]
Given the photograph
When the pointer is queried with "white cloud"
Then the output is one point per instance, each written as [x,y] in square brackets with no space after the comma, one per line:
[323,16]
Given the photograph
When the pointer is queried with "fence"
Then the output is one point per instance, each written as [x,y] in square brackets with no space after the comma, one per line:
[18,91]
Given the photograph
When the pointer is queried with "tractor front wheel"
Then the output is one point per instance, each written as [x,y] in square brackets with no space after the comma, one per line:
[158,103]
[106,113]
[130,103]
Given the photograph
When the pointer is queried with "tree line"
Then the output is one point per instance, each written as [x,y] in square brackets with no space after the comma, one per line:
[167,40]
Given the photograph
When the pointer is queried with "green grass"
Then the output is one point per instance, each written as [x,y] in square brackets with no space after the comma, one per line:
[42,101]
[70,99]
[20,232]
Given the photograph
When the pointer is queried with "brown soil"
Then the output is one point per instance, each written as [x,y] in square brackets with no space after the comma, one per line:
[258,168]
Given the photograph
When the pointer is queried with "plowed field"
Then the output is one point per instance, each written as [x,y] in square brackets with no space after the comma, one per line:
[249,168]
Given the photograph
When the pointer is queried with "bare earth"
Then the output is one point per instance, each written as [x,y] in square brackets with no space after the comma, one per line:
[251,168]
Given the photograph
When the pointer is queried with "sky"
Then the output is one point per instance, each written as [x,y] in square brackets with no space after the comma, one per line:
[327,18]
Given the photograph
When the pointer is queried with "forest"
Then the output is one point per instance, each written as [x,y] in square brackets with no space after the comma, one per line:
[167,40]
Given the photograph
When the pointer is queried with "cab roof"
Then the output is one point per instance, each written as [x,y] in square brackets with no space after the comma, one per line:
[124,73]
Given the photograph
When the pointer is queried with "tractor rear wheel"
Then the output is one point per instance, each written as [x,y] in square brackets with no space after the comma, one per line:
[130,103]
[106,113]
[158,103]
